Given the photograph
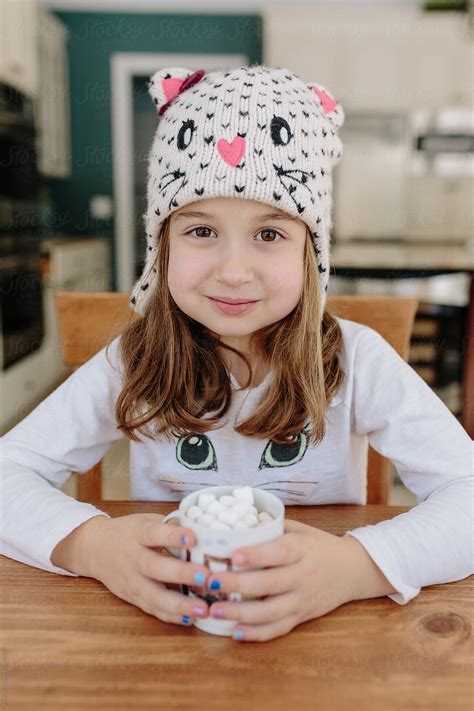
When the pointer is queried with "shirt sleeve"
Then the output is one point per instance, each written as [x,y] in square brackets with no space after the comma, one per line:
[409,424]
[69,431]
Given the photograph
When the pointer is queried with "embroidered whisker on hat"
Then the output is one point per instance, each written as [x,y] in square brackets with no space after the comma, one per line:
[256,132]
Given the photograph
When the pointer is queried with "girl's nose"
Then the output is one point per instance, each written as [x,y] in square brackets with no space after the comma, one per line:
[231,153]
[234,266]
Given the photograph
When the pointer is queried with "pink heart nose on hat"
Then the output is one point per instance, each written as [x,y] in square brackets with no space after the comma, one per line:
[231,152]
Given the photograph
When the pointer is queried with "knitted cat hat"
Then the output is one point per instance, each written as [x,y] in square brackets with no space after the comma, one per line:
[256,132]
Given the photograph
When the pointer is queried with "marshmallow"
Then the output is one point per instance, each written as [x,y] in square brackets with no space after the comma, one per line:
[227,501]
[228,512]
[242,508]
[194,512]
[220,525]
[250,520]
[229,517]
[205,520]
[243,492]
[215,507]
[204,500]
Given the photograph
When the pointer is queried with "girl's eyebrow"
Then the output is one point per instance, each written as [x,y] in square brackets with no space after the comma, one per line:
[269,216]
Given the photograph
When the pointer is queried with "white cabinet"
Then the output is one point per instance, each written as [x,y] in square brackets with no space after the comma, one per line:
[33,59]
[80,265]
[440,61]
[375,58]
[19,45]
[54,150]
[74,265]
[440,207]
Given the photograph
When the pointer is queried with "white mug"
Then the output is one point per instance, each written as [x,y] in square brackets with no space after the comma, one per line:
[214,547]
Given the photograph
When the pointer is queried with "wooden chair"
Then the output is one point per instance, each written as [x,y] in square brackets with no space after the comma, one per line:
[87,321]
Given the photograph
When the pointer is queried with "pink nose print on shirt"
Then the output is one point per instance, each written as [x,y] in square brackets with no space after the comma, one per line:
[231,152]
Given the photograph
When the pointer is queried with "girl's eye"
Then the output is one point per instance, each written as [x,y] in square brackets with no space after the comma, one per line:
[209,230]
[197,228]
[271,230]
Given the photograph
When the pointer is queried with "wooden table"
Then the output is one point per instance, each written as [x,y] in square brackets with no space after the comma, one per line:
[70,642]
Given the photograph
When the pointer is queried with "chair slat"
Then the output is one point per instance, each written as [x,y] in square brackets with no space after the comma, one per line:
[87,321]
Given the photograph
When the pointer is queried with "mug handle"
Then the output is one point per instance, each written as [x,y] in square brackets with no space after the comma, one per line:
[176,552]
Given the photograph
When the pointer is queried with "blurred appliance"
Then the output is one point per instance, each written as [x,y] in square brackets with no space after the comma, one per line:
[438,344]
[406,177]
[21,291]
[402,189]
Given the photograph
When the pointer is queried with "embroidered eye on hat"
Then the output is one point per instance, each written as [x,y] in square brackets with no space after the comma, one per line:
[256,132]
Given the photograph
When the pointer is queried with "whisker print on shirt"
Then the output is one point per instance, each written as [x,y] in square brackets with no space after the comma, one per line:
[288,491]
[188,487]
[176,485]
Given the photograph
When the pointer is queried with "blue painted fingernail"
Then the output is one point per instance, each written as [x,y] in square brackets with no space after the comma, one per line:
[215,585]
[238,634]
[182,539]
[185,619]
[199,577]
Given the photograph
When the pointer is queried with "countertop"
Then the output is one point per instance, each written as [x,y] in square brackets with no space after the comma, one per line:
[55,240]
[404,255]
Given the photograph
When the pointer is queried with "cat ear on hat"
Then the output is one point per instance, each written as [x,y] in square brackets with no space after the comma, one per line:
[330,108]
[166,84]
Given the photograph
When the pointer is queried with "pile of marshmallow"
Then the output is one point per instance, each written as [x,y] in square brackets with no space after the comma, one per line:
[229,511]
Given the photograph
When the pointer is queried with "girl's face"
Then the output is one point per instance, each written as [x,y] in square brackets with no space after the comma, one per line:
[237,249]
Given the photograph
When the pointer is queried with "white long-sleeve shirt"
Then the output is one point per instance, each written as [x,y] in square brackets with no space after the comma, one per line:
[382,401]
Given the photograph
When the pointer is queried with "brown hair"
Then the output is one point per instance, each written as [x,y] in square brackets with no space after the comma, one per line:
[173,374]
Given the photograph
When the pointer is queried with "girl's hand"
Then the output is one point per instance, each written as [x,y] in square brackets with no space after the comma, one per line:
[124,553]
[305,579]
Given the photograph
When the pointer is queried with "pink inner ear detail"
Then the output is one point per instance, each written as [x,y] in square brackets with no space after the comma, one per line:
[171,87]
[327,101]
[231,152]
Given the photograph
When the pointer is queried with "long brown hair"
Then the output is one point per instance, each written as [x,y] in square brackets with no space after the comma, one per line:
[174,376]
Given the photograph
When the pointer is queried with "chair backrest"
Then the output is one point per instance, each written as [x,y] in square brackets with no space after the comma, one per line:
[87,321]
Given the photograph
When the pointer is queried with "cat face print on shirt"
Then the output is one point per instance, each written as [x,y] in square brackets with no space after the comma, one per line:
[197,453]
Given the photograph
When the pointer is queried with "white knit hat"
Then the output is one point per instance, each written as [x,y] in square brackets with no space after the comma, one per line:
[256,132]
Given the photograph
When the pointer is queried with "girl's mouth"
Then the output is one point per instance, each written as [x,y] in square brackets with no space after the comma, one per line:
[230,309]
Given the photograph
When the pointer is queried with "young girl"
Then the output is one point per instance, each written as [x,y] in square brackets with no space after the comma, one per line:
[234,373]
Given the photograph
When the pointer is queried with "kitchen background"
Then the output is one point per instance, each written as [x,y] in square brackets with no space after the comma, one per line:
[76,123]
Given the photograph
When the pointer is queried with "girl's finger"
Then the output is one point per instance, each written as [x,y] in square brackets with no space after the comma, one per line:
[254,612]
[258,583]
[168,605]
[292,526]
[168,569]
[285,550]
[162,534]
[262,633]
